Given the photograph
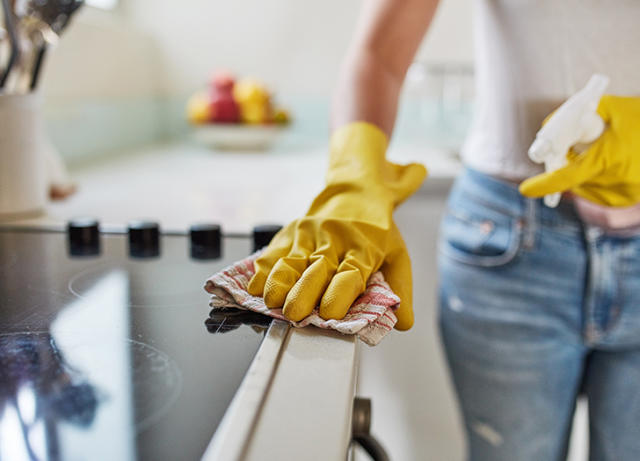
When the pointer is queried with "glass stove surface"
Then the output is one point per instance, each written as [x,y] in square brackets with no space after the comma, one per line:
[108,357]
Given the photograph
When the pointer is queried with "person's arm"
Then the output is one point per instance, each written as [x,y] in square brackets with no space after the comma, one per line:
[327,257]
[386,39]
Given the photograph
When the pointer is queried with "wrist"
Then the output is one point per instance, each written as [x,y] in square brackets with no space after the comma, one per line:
[356,150]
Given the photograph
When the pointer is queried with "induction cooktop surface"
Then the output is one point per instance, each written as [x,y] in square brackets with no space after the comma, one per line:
[105,354]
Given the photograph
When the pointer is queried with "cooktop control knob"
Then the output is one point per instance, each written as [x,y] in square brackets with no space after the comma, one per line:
[84,237]
[206,241]
[144,239]
[263,234]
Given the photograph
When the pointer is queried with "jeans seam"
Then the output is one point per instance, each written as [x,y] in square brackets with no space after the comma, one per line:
[530,225]
[592,333]
[618,301]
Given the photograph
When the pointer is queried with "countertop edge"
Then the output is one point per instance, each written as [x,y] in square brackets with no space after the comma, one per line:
[321,366]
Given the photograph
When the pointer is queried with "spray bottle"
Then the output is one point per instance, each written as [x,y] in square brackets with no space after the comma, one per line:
[575,124]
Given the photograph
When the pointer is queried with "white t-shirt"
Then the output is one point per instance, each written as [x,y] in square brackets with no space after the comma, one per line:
[531,55]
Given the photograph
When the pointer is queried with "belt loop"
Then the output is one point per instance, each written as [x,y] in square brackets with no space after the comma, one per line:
[530,224]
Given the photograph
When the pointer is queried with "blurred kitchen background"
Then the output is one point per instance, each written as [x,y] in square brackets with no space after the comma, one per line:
[115,90]
[122,72]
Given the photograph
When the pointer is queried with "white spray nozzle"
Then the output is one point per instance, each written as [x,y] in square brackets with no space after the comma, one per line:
[575,122]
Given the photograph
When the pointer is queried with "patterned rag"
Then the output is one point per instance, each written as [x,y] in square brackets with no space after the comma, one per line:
[370,317]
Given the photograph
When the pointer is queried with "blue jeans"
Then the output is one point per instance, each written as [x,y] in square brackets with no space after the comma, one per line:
[536,307]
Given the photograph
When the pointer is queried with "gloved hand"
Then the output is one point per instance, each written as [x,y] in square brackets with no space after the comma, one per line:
[327,256]
[608,172]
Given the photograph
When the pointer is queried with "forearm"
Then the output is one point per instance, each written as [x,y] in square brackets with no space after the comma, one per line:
[386,39]
[367,92]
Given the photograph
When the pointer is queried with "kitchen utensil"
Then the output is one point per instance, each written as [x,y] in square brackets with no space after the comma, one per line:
[55,13]
[58,23]
[38,37]
[4,46]
[14,56]
[35,73]
[41,22]
[23,176]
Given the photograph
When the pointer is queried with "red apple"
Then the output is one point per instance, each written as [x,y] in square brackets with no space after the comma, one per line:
[224,108]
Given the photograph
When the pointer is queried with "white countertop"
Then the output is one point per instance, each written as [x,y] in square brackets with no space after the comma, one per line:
[295,401]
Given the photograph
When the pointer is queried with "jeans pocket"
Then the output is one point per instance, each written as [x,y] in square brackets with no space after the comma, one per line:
[479,235]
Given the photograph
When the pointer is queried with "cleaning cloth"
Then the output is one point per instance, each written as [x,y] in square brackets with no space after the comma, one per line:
[370,317]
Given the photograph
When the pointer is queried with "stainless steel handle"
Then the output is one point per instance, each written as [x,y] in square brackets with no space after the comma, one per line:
[361,427]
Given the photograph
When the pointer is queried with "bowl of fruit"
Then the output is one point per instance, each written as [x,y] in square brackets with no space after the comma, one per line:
[236,114]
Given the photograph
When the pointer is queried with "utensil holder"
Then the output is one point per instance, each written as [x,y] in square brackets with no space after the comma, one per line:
[23,144]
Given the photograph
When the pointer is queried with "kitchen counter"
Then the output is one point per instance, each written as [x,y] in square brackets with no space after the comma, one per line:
[316,377]
[298,392]
[179,184]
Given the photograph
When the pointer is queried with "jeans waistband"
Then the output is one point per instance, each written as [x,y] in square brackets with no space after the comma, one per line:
[504,196]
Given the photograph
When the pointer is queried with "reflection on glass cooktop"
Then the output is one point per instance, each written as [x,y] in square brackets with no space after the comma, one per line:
[107,356]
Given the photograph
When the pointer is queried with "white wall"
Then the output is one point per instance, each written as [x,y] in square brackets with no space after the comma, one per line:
[450,37]
[296,46]
[152,47]
[101,56]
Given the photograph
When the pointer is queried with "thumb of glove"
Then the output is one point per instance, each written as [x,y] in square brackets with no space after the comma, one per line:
[581,168]
[404,180]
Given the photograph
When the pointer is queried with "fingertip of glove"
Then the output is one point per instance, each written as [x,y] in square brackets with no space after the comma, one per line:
[404,323]
[256,285]
[342,291]
[528,188]
[329,309]
[523,187]
[254,290]
[334,307]
[294,312]
[274,296]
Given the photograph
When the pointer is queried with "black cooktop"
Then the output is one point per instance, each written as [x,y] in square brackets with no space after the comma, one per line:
[104,349]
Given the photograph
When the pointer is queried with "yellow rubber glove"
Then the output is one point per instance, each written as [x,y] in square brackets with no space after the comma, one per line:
[608,172]
[327,256]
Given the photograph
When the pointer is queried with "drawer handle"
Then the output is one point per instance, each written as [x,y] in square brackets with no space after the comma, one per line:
[361,427]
